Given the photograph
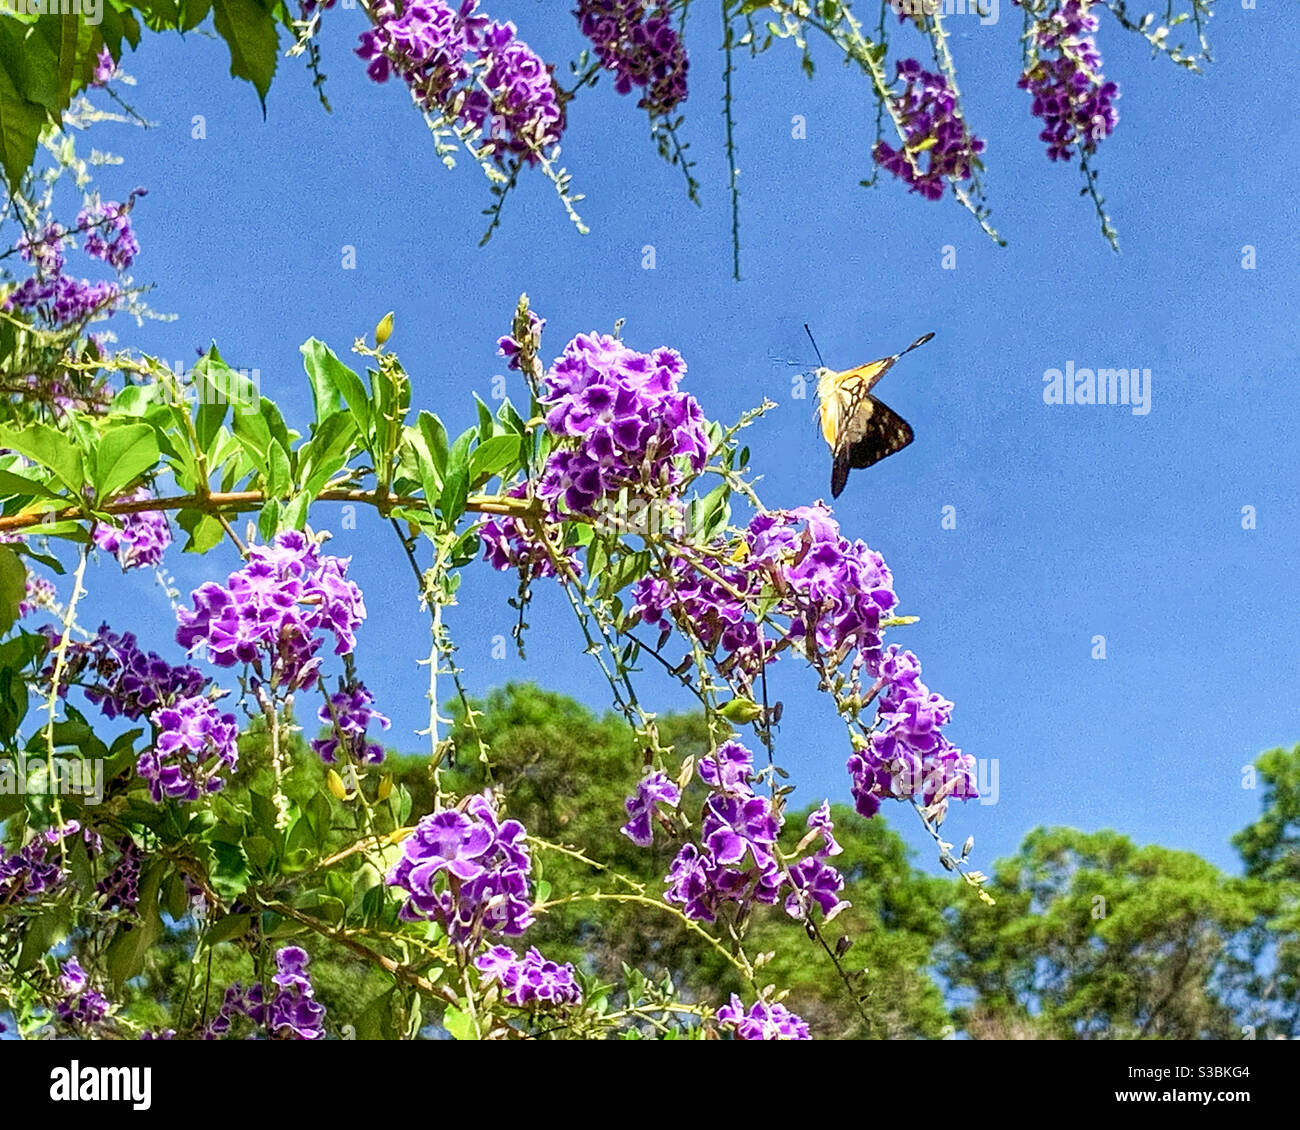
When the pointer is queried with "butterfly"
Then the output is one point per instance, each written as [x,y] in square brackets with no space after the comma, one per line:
[859,429]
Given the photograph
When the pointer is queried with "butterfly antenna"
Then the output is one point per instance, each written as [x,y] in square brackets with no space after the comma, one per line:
[918,342]
[814,345]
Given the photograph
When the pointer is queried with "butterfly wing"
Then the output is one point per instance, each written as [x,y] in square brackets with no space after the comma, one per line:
[871,432]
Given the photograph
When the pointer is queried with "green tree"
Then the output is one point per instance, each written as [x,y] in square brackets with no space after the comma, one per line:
[1094,937]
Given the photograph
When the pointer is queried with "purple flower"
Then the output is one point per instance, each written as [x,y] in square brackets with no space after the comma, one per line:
[39,593]
[467,68]
[269,613]
[468,872]
[348,713]
[81,1005]
[292,1013]
[108,232]
[937,146]
[27,872]
[623,423]
[120,678]
[910,757]
[195,743]
[105,68]
[64,301]
[654,788]
[142,538]
[511,543]
[762,1022]
[528,980]
[1075,103]
[637,41]
[120,888]
[510,349]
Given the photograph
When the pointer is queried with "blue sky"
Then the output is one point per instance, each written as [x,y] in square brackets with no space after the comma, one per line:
[1072,521]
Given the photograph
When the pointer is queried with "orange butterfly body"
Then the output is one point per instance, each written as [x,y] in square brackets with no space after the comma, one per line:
[859,429]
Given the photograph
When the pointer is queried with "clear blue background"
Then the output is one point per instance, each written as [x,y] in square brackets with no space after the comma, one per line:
[1071,521]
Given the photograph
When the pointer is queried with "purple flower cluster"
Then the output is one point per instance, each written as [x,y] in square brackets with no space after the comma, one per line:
[467,872]
[272,609]
[120,678]
[1070,95]
[627,423]
[39,593]
[762,1022]
[467,67]
[528,980]
[736,861]
[910,757]
[839,591]
[933,127]
[27,872]
[81,1005]
[348,713]
[637,41]
[292,1013]
[509,543]
[108,232]
[120,888]
[195,744]
[45,252]
[62,300]
[141,540]
[815,880]
[654,788]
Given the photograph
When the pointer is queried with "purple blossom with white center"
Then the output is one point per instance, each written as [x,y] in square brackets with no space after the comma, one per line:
[937,146]
[1071,96]
[624,420]
[195,744]
[39,594]
[120,888]
[141,540]
[840,590]
[273,608]
[28,873]
[45,252]
[509,543]
[292,1013]
[82,1005]
[468,872]
[105,68]
[109,236]
[528,980]
[654,788]
[466,67]
[910,757]
[736,862]
[348,713]
[637,41]
[120,678]
[763,1021]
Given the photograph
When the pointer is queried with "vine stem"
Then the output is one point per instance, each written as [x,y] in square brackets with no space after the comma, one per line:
[56,678]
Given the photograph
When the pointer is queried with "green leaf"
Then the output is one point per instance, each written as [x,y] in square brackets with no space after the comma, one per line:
[228,929]
[13,586]
[44,932]
[435,439]
[19,485]
[327,452]
[50,448]
[28,92]
[330,377]
[123,453]
[493,458]
[204,530]
[250,32]
[460,1025]
[486,425]
[455,486]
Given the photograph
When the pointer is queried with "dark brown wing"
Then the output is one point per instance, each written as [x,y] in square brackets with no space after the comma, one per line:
[871,431]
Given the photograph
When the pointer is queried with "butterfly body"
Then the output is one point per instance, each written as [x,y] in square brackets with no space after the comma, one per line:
[859,429]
